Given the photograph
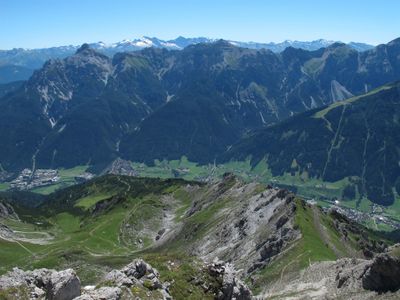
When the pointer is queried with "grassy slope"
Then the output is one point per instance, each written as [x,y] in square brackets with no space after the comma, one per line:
[89,201]
[92,243]
[4,186]
[323,112]
[319,242]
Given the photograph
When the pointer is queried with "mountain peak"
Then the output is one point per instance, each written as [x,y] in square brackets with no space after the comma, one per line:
[86,50]
[83,48]
[339,47]
[224,43]
[336,45]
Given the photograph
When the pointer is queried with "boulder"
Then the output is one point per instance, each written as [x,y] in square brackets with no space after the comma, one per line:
[14,278]
[231,287]
[62,285]
[349,272]
[118,278]
[136,275]
[383,274]
[139,268]
[271,248]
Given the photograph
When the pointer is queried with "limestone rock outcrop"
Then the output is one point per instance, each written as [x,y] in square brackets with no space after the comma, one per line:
[42,284]
[135,281]
[232,288]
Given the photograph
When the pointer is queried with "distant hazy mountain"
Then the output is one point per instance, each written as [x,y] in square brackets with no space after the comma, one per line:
[18,64]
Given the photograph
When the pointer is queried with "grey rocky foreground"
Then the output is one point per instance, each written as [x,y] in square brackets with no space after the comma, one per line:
[134,281]
[65,285]
[41,284]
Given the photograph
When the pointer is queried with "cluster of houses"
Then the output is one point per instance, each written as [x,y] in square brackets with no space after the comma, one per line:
[29,179]
[376,215]
[363,217]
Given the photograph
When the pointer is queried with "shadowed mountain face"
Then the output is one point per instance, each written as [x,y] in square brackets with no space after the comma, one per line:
[155,103]
[358,137]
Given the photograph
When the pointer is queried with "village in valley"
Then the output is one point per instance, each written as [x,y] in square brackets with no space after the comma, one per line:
[29,179]
[375,218]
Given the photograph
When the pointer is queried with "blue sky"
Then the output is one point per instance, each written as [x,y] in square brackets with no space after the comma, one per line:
[44,23]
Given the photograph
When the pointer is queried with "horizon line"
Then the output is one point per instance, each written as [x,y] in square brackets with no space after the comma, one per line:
[194,37]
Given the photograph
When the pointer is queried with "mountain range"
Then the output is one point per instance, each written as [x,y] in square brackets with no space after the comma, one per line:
[19,63]
[89,109]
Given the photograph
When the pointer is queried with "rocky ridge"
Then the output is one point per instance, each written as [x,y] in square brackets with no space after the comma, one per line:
[251,232]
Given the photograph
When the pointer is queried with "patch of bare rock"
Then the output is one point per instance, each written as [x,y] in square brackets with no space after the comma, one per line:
[232,287]
[40,284]
[346,278]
